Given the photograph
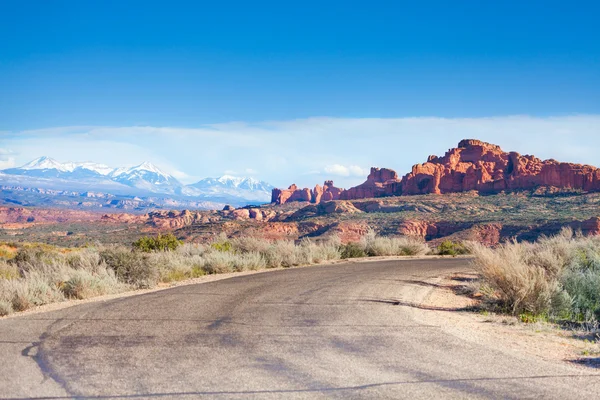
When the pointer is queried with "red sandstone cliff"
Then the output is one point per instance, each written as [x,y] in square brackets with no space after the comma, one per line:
[327,192]
[473,165]
[380,182]
[484,167]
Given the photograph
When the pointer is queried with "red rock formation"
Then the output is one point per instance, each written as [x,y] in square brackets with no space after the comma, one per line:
[292,193]
[380,182]
[588,227]
[484,167]
[472,166]
[326,193]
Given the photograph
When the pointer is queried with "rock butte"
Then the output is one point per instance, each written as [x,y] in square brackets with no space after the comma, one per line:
[327,192]
[472,166]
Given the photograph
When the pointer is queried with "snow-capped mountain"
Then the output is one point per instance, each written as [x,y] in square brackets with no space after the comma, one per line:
[146,176]
[231,186]
[143,179]
[48,167]
[231,182]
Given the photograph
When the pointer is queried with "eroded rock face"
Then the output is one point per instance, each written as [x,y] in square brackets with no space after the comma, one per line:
[485,168]
[380,182]
[472,166]
[327,192]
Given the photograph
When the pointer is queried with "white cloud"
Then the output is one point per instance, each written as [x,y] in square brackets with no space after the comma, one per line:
[355,170]
[341,170]
[179,175]
[7,159]
[8,162]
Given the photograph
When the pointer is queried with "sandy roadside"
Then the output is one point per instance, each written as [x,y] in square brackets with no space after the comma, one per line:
[445,308]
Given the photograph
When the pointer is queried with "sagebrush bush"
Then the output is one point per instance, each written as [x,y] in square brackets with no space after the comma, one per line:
[5,308]
[450,248]
[352,250]
[131,267]
[8,270]
[191,250]
[393,246]
[557,276]
[83,284]
[520,287]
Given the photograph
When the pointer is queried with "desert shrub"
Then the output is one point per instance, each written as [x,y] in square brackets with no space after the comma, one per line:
[222,262]
[20,299]
[41,289]
[168,242]
[393,246]
[412,246]
[27,292]
[8,270]
[321,251]
[36,259]
[450,248]
[224,246]
[249,262]
[179,265]
[218,262]
[191,249]
[582,286]
[283,253]
[520,287]
[131,267]
[5,308]
[352,250]
[247,244]
[83,284]
[557,276]
[197,271]
[87,259]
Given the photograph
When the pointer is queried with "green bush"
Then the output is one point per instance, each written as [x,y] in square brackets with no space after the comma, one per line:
[223,246]
[450,248]
[583,289]
[166,242]
[352,250]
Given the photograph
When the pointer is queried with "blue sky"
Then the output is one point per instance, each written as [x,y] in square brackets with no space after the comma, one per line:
[268,79]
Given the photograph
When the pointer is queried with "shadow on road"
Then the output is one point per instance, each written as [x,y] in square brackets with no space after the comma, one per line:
[419,306]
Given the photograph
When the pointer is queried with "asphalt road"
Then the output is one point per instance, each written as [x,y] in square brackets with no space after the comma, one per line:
[343,331]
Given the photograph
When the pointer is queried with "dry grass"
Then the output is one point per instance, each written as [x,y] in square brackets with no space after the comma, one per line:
[556,277]
[41,274]
[393,246]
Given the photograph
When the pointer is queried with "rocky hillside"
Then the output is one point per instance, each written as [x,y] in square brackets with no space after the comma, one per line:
[472,166]
[460,216]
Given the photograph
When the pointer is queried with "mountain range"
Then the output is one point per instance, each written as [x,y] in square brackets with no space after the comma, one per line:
[143,180]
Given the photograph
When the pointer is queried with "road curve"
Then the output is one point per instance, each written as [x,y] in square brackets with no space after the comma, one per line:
[342,331]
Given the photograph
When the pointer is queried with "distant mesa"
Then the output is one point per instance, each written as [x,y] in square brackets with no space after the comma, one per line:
[472,166]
